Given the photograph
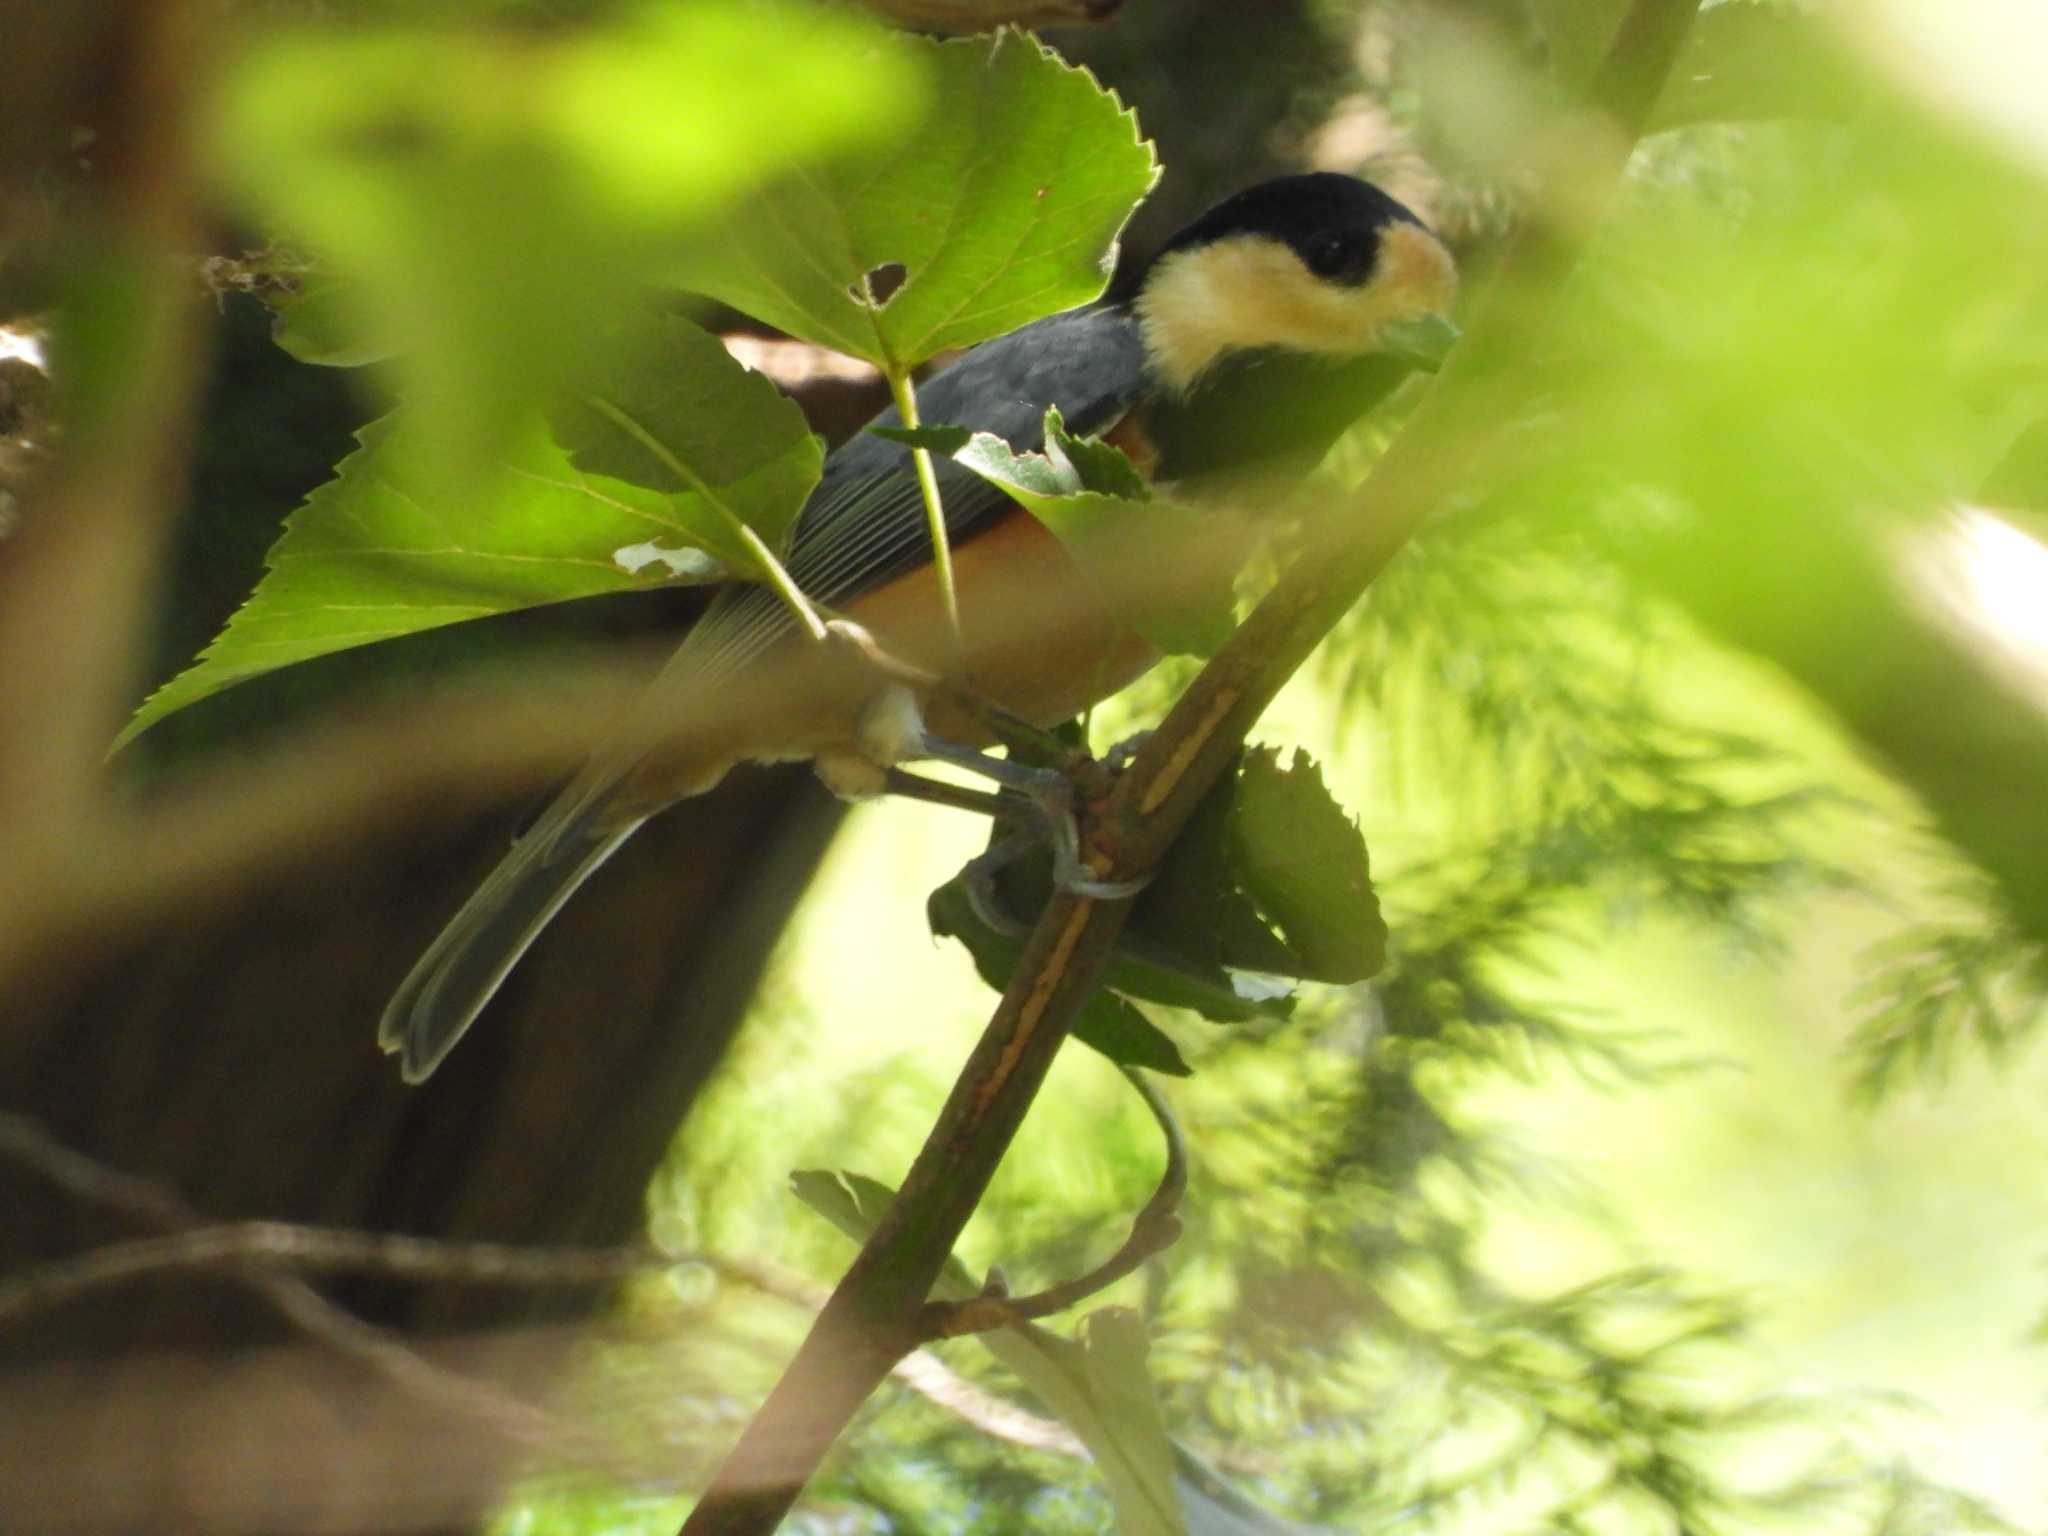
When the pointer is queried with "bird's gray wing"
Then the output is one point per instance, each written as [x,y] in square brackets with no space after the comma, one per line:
[864,525]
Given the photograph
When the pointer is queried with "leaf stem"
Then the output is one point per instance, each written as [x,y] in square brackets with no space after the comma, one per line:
[772,568]
[785,586]
[905,392]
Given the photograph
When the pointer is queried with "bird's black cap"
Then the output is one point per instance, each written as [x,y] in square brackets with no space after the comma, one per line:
[1332,222]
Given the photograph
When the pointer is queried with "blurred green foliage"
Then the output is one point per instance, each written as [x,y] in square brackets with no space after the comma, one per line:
[1003,207]
[1795,346]
[497,197]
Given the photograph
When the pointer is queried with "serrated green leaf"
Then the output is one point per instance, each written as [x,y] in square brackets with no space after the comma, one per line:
[1094,464]
[1003,208]
[671,411]
[380,551]
[1194,906]
[1301,858]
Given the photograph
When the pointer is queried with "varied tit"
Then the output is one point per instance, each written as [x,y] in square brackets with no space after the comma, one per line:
[1316,271]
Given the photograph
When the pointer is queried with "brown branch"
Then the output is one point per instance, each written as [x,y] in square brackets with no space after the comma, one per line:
[874,1314]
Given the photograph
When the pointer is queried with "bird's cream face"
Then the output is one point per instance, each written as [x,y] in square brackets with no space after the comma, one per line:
[1253,290]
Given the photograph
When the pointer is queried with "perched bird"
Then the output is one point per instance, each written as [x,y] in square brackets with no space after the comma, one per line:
[1254,336]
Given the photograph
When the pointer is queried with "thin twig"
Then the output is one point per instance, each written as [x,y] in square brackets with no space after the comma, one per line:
[315,1250]
[260,1251]
[1153,1230]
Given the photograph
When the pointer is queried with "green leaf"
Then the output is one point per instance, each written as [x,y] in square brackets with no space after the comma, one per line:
[1094,464]
[1139,968]
[1123,1427]
[488,200]
[1004,207]
[330,325]
[1301,858]
[381,550]
[671,411]
[1195,906]
[1269,876]
[1094,501]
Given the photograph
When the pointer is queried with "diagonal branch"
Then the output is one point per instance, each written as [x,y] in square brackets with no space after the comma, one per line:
[874,1314]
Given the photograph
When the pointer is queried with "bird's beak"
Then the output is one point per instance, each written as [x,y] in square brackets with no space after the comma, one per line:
[1425,342]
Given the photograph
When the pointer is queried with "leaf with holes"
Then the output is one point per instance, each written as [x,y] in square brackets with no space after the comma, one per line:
[670,410]
[1004,207]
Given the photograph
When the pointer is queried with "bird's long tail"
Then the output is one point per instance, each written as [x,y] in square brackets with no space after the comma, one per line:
[455,978]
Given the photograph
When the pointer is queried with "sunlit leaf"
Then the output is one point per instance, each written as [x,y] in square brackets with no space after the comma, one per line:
[1094,502]
[671,411]
[1301,858]
[494,197]
[1003,208]
[380,551]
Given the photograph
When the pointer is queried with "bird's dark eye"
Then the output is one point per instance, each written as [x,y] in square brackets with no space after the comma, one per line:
[1334,257]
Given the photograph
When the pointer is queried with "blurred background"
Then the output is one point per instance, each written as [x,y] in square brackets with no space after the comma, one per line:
[1680,1173]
